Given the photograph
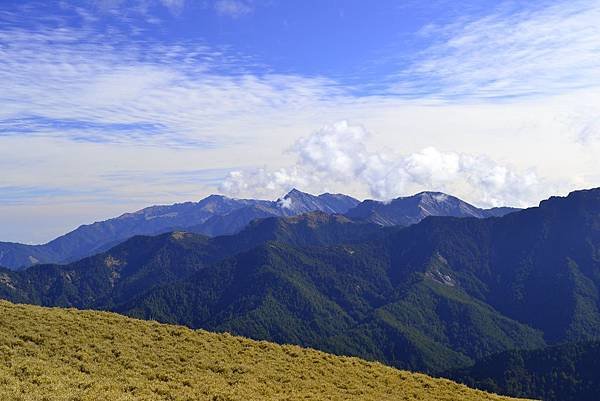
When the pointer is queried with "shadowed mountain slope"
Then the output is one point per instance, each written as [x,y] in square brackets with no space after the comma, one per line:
[140,263]
[568,372]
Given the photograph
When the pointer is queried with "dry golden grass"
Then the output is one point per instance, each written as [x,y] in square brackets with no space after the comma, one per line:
[65,354]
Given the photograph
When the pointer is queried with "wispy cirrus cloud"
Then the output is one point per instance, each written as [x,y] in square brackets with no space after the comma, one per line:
[184,92]
[88,131]
[233,8]
[515,51]
[20,195]
[175,6]
[76,83]
[226,8]
[190,178]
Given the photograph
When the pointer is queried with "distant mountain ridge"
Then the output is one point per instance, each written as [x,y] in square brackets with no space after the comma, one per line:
[409,210]
[213,215]
[219,215]
[293,203]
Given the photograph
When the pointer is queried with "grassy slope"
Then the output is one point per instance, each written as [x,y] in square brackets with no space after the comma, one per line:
[64,354]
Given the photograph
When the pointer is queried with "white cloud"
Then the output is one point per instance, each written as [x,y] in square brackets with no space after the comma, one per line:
[337,150]
[176,6]
[337,156]
[185,91]
[123,10]
[585,124]
[285,203]
[264,183]
[232,8]
[538,50]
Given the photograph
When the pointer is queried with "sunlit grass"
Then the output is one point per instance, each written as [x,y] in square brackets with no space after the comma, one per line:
[65,354]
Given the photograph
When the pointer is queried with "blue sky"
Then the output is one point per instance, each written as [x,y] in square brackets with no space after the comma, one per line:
[338,39]
[111,105]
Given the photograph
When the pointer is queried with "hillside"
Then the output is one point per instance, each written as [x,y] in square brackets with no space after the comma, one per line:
[567,372]
[57,354]
[135,266]
[339,299]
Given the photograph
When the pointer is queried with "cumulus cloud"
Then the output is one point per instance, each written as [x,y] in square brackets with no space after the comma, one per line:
[337,150]
[265,183]
[336,156]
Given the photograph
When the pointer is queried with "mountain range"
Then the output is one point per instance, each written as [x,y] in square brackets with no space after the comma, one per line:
[408,210]
[213,215]
[143,262]
[433,296]
[219,215]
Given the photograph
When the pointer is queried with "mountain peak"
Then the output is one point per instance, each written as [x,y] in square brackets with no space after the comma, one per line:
[214,197]
[439,196]
[298,202]
[407,210]
[294,193]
